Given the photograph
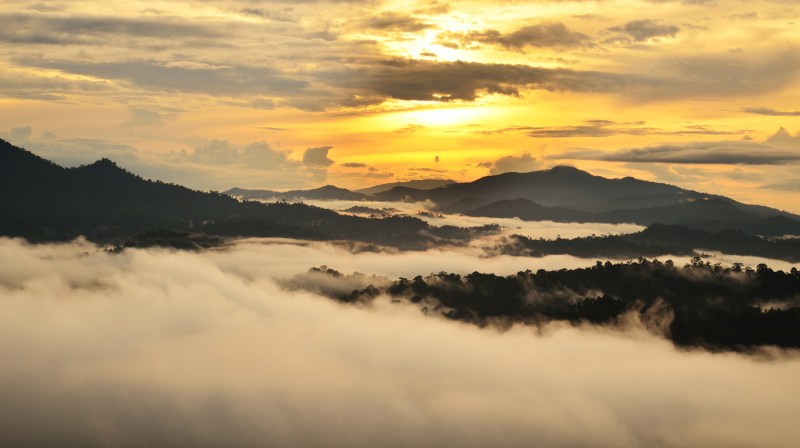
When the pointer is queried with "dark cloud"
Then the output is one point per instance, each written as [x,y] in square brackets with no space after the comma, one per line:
[426,170]
[771,112]
[646,29]
[193,78]
[285,14]
[703,153]
[545,34]
[394,21]
[606,128]
[513,164]
[354,165]
[65,30]
[317,157]
[406,79]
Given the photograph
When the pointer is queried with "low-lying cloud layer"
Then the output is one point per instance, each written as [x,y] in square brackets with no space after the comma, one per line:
[173,348]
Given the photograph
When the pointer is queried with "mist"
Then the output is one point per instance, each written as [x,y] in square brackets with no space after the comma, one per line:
[158,347]
[531,229]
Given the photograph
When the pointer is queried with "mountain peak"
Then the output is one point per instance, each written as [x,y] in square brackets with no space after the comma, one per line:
[104,163]
[106,168]
[566,169]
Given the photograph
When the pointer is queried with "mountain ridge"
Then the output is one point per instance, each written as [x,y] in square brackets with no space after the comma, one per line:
[104,202]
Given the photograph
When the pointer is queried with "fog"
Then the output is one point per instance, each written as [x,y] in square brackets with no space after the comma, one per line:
[531,229]
[282,258]
[166,348]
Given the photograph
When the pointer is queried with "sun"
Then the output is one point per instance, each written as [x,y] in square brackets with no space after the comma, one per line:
[440,115]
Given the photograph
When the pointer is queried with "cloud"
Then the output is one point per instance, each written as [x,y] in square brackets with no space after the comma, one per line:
[147,118]
[394,21]
[21,133]
[422,80]
[285,14]
[317,157]
[518,164]
[545,34]
[25,28]
[155,348]
[783,138]
[192,78]
[316,162]
[771,112]
[354,165]
[333,57]
[721,152]
[646,29]
[259,155]
[72,151]
[791,185]
[605,128]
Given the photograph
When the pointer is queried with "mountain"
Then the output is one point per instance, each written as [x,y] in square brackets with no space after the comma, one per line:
[568,194]
[712,213]
[464,205]
[422,184]
[658,240]
[42,201]
[709,213]
[326,193]
[529,211]
[560,186]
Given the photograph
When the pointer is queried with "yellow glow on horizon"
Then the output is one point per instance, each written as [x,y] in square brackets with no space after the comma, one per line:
[439,116]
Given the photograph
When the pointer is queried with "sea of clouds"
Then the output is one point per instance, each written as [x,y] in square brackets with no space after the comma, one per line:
[167,348]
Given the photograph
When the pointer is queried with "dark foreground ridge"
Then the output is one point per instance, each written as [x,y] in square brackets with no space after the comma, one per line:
[42,202]
[734,308]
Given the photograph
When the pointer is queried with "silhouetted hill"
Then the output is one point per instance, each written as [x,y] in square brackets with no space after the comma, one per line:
[656,241]
[463,205]
[423,184]
[568,194]
[529,211]
[42,201]
[406,194]
[326,193]
[712,213]
[559,186]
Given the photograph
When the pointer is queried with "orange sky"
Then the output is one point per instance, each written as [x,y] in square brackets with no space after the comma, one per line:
[295,94]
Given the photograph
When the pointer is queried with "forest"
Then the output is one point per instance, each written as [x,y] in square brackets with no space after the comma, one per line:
[699,305]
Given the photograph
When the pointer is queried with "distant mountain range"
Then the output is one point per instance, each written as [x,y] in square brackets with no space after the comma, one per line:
[326,193]
[42,201]
[567,194]
[331,193]
[421,184]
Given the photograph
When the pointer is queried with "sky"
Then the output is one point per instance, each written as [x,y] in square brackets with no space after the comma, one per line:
[703,94]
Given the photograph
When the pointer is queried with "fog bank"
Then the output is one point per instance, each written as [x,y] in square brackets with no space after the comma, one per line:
[157,347]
